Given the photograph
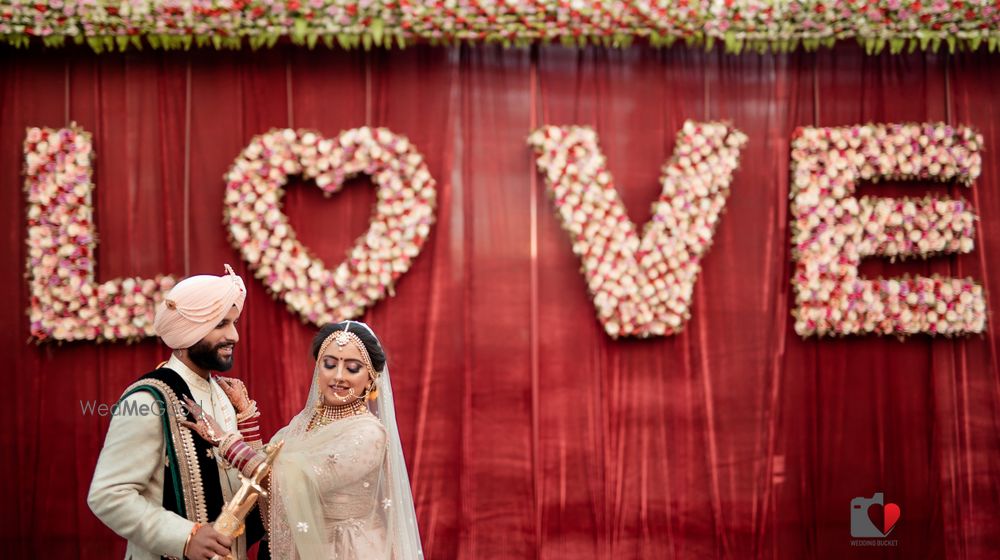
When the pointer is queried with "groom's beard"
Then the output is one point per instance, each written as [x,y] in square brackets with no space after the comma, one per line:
[207,357]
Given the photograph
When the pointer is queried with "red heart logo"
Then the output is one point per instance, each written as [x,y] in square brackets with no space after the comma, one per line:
[891,513]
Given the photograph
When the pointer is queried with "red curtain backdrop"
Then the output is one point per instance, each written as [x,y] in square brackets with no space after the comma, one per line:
[528,432]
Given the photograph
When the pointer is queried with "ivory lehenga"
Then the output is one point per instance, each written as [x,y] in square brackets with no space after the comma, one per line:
[339,488]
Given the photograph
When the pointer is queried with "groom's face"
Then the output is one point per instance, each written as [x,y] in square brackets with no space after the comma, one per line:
[215,351]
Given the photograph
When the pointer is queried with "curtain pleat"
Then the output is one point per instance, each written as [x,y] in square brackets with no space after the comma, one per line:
[529,433]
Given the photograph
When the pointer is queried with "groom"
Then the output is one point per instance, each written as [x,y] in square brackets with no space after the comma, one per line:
[155,484]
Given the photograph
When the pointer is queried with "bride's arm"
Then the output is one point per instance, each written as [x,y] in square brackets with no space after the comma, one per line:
[247,415]
[241,454]
[245,453]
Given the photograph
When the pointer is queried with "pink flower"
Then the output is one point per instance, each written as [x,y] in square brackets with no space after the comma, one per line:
[891,227]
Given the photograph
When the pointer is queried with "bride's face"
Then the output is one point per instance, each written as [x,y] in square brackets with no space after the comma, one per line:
[342,375]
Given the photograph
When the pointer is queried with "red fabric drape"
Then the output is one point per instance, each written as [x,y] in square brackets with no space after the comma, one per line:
[528,432]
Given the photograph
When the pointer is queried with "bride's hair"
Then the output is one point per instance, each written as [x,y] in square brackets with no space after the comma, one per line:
[375,352]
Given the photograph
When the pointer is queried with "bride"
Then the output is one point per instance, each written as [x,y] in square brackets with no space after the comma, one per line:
[339,487]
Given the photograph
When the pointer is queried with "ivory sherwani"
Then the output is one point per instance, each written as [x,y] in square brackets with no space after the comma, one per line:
[127,492]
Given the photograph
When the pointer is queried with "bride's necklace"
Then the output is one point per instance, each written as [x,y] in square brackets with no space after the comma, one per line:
[326,414]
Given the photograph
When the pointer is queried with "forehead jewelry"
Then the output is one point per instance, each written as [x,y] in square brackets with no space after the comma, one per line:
[341,339]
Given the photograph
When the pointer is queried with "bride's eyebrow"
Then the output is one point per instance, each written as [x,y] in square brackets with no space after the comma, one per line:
[332,357]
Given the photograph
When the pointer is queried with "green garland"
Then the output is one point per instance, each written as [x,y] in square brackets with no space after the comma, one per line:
[762,25]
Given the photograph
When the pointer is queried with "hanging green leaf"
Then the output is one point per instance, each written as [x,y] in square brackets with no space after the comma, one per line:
[925,39]
[376,28]
[299,28]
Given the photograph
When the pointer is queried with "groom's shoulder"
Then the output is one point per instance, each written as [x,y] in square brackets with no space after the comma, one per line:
[161,372]
[157,380]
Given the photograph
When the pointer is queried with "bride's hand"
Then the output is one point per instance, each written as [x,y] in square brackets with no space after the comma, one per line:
[237,393]
[206,426]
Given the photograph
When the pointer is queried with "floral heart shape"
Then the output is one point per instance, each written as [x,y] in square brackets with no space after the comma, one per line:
[404,213]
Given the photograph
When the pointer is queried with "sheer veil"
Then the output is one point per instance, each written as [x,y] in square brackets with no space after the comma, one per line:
[401,516]
[394,500]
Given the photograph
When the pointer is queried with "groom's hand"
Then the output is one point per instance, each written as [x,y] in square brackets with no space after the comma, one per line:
[207,543]
[204,425]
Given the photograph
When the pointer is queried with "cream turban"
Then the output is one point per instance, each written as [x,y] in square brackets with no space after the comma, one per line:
[196,305]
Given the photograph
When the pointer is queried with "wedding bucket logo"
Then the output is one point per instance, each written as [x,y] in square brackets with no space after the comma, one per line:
[862,526]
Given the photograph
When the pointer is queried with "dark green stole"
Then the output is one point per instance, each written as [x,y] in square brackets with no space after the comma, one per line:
[190,477]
